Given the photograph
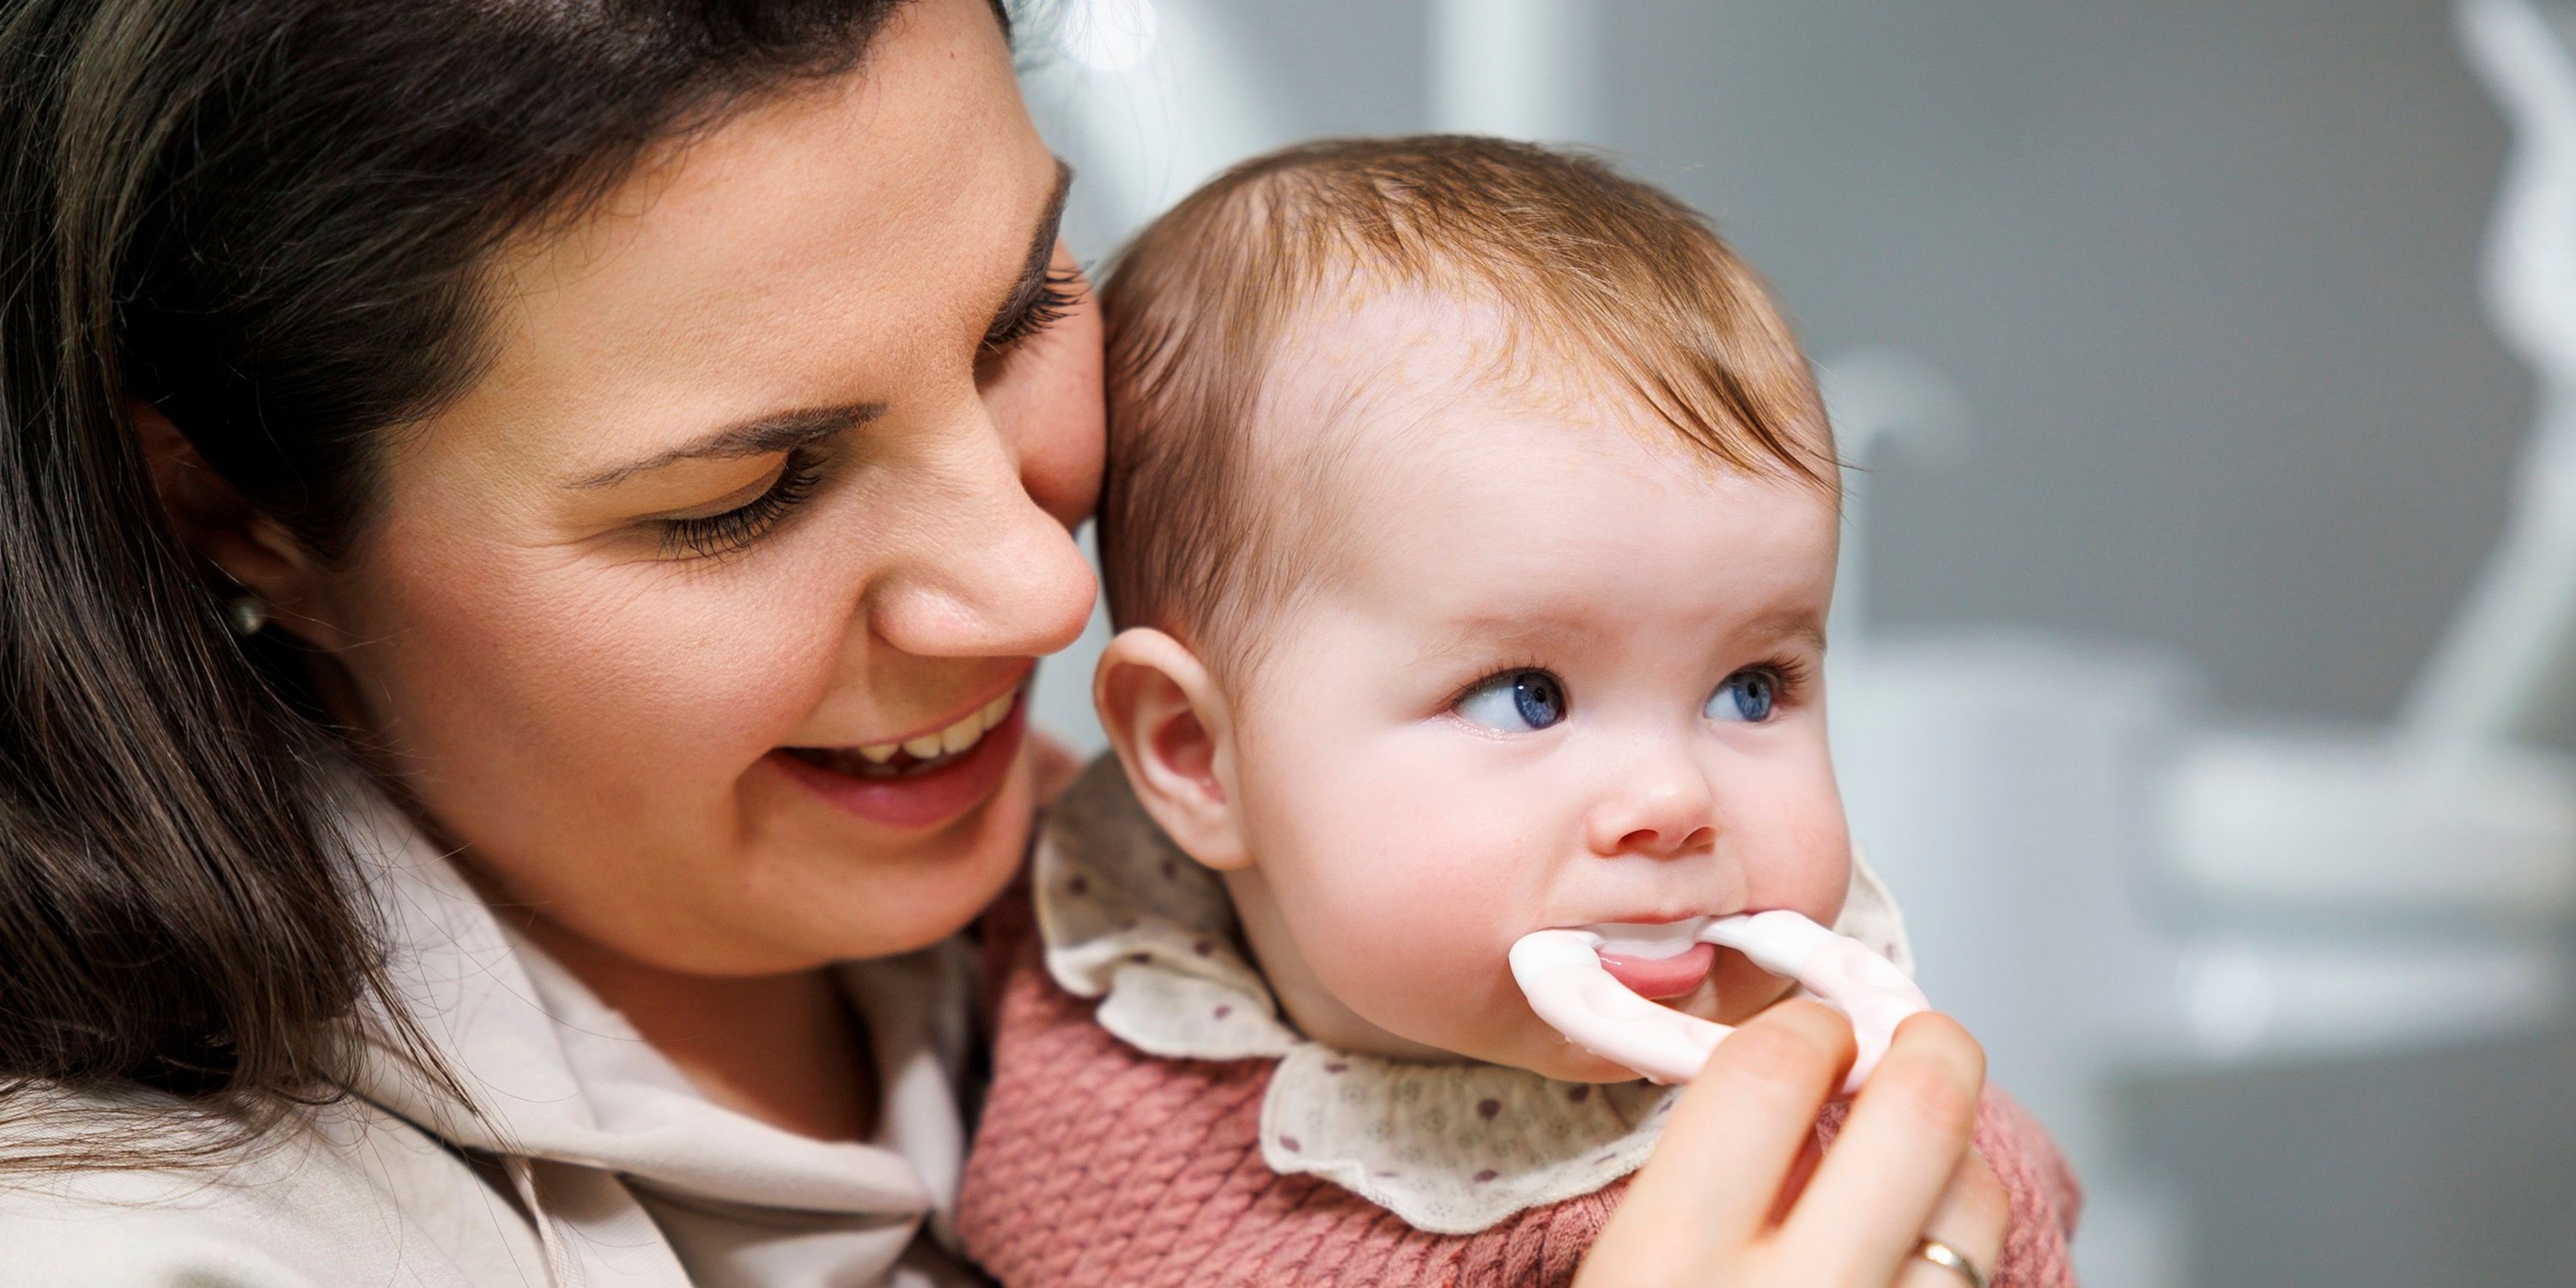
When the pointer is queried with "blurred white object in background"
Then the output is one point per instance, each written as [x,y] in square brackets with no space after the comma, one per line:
[2365,825]
[1109,35]
[1148,99]
[2464,808]
[1524,69]
[2507,671]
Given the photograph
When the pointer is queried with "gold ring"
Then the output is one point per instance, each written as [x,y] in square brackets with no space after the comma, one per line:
[1949,1258]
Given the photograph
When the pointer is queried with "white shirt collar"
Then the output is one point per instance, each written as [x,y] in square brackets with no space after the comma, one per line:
[557,1075]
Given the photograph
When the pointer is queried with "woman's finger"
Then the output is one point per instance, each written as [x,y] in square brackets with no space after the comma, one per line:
[1874,1194]
[1972,1218]
[1736,1132]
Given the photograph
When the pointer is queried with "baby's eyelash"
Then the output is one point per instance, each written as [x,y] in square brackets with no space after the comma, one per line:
[1488,674]
[1790,674]
[716,535]
[1062,289]
[1790,678]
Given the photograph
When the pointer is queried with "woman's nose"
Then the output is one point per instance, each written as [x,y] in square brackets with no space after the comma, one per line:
[996,576]
[1663,812]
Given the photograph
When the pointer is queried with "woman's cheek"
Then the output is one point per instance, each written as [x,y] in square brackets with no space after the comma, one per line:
[645,686]
[737,667]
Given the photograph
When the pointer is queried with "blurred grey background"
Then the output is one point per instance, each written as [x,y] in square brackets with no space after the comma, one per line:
[2203,279]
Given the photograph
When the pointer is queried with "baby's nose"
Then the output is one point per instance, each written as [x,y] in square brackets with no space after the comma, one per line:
[1660,816]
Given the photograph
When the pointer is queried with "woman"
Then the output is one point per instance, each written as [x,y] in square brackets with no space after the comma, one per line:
[551,451]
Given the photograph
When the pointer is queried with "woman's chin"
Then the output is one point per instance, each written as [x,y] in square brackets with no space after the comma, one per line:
[864,893]
[940,886]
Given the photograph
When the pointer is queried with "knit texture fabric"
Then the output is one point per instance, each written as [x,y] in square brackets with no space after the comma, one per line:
[1097,1164]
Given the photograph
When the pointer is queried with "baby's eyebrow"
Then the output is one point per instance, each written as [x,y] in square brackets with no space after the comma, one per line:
[1479,633]
[1795,626]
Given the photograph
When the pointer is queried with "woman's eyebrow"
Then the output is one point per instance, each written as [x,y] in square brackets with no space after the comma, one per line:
[759,436]
[787,431]
[1041,249]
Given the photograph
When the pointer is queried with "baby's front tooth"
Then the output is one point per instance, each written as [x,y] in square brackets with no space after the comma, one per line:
[923,747]
[880,752]
[961,735]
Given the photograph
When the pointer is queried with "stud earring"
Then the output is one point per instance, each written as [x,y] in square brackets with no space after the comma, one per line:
[245,615]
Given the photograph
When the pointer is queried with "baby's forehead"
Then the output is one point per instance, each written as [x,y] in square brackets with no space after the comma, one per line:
[1408,429]
[1410,367]
[1369,386]
[1504,510]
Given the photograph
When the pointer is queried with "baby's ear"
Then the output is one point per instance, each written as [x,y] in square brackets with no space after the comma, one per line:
[1170,727]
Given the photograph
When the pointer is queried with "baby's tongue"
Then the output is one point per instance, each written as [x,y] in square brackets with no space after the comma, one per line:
[1656,978]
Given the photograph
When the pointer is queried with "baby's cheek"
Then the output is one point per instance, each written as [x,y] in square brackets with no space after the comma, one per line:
[1816,887]
[1413,946]
[1800,856]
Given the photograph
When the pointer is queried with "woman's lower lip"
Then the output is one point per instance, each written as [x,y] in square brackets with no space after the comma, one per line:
[1656,978]
[916,801]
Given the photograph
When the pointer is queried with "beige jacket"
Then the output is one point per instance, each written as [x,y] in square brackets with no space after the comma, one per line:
[593,1161]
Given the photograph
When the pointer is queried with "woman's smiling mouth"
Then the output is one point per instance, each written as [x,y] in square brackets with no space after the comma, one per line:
[925,754]
[924,781]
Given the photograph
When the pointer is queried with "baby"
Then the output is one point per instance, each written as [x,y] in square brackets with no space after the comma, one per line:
[1470,524]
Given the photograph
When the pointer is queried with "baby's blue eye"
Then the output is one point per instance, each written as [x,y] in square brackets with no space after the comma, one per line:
[1747,696]
[1515,702]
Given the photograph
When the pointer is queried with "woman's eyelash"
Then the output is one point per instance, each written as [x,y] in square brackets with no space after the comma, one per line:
[716,535]
[1056,297]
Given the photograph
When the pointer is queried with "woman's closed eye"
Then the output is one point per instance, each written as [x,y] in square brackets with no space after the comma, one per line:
[732,525]
[1057,294]
[1523,700]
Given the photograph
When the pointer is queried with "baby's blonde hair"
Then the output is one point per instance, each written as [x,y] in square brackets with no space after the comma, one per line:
[1600,269]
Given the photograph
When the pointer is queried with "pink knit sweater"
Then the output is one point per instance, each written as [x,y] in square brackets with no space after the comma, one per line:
[1097,1164]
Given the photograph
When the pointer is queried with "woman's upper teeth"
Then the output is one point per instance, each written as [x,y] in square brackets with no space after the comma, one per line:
[949,741]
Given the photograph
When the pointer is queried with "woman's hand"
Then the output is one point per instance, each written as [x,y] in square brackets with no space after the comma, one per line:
[1735,1193]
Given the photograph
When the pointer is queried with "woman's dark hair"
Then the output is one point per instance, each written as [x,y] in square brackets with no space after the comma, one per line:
[263,218]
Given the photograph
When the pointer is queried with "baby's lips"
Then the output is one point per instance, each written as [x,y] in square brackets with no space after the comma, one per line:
[1658,978]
